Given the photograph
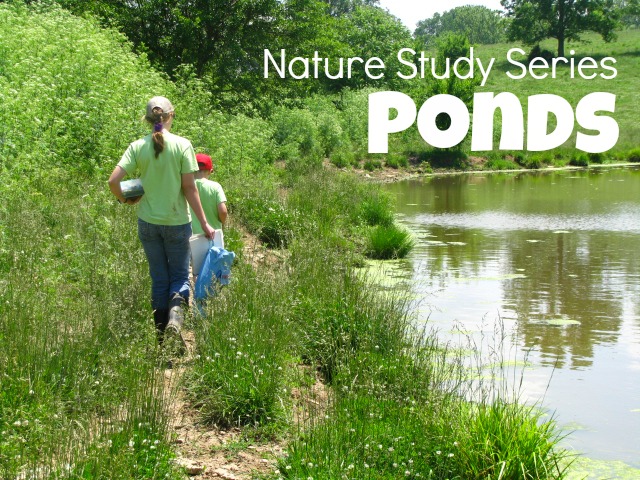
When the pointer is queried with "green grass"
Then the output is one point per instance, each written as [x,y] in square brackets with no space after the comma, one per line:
[624,49]
[385,242]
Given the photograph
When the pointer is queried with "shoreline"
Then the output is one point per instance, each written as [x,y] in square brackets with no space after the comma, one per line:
[391,175]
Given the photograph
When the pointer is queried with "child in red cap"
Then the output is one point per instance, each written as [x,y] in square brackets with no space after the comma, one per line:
[211,193]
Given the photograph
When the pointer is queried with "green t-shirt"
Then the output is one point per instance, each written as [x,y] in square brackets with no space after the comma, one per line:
[211,194]
[163,202]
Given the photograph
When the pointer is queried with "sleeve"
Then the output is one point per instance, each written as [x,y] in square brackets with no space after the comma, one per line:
[220,194]
[128,161]
[189,164]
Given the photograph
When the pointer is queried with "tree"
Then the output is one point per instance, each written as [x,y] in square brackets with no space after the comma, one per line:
[479,24]
[629,12]
[535,20]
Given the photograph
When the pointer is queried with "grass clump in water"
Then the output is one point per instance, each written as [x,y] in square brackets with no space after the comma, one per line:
[387,242]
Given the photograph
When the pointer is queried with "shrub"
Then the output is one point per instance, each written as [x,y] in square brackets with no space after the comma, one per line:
[386,242]
[396,160]
[371,165]
[445,159]
[579,159]
[634,155]
[297,127]
[598,158]
[342,158]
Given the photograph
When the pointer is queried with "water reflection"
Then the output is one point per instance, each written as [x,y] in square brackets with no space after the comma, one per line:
[554,256]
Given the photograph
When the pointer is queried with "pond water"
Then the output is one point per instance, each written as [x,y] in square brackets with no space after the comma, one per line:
[551,262]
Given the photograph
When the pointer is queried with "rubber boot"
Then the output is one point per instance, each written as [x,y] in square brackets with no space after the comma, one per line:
[177,345]
[176,312]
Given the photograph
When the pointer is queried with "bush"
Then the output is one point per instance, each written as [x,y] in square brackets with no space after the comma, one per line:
[342,158]
[579,159]
[396,160]
[297,128]
[386,242]
[445,159]
[634,155]
[371,165]
[598,158]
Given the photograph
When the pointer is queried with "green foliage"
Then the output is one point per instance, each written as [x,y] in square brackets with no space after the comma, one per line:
[445,159]
[68,106]
[501,164]
[238,375]
[396,160]
[579,159]
[389,241]
[296,132]
[372,164]
[480,24]
[534,21]
[633,155]
[376,209]
[342,158]
[73,348]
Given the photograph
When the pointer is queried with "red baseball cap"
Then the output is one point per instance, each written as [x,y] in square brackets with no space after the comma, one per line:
[204,162]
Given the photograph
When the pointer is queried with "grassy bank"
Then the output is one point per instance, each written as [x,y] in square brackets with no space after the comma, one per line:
[83,393]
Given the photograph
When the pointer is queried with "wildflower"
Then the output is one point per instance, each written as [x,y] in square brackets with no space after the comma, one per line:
[438,452]
[131,443]
[366,465]
[390,449]
[455,444]
[395,465]
[351,467]
[407,473]
[17,423]
[310,464]
[380,447]
[288,467]
[450,455]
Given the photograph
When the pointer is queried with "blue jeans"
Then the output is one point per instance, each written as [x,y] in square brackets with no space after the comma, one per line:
[168,253]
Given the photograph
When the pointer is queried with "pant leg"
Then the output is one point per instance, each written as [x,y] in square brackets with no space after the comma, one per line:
[178,252]
[151,237]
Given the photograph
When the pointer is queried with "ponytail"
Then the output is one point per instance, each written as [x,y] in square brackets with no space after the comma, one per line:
[157,120]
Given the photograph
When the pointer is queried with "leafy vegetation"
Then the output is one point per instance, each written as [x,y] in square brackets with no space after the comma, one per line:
[533,21]
[480,24]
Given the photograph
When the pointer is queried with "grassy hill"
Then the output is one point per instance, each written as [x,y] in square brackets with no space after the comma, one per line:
[625,49]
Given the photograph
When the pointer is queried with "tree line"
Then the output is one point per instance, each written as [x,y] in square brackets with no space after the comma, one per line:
[222,42]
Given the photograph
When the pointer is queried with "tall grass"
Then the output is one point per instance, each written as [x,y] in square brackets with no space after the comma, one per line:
[77,361]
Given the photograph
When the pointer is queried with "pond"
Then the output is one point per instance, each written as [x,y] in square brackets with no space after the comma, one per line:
[550,263]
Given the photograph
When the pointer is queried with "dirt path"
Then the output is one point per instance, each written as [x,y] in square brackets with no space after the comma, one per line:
[205,451]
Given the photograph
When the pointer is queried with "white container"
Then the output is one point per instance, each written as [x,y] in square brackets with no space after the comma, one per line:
[200,246]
